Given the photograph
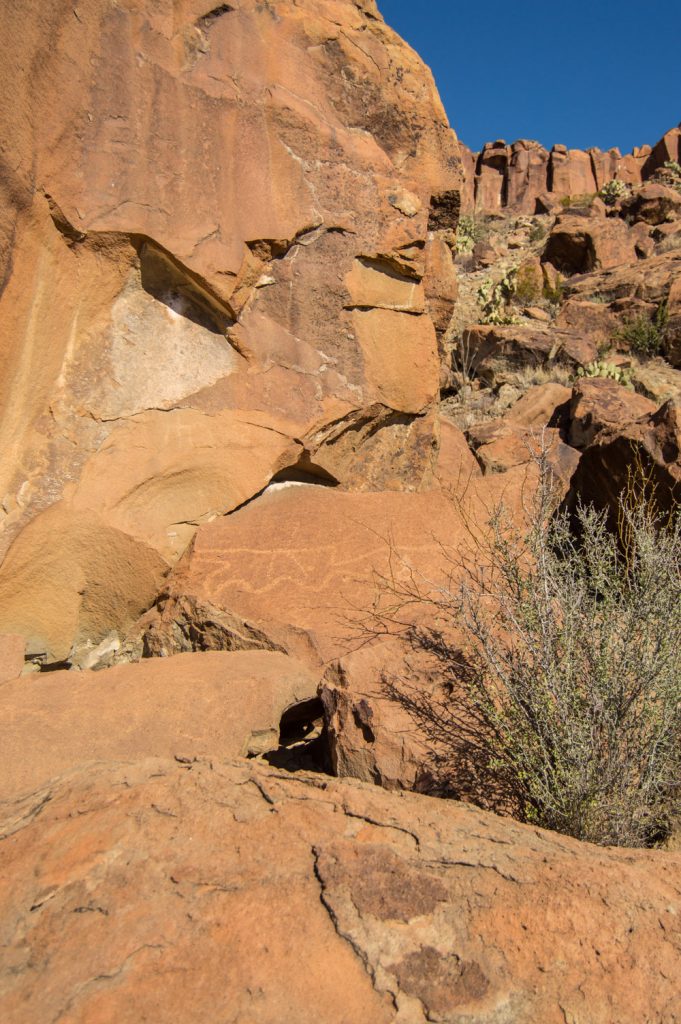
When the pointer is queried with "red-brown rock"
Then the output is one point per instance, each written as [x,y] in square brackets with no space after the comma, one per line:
[579,245]
[652,204]
[599,403]
[214,704]
[212,891]
[241,271]
[571,172]
[618,455]
[298,569]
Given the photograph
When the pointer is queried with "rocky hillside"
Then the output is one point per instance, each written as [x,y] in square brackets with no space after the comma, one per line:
[269,335]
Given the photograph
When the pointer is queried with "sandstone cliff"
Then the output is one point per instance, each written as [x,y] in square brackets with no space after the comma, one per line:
[225,253]
[516,176]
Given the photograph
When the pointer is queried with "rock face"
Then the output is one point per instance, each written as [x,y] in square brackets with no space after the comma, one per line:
[578,245]
[256,396]
[271,898]
[216,704]
[299,568]
[637,447]
[518,176]
[194,302]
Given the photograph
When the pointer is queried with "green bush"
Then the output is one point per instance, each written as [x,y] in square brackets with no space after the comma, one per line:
[554,293]
[562,702]
[581,201]
[671,174]
[643,335]
[493,300]
[538,233]
[527,285]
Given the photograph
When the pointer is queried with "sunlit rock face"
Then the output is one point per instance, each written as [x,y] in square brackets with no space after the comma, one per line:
[225,231]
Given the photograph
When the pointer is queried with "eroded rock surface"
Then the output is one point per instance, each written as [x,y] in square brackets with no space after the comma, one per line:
[219,704]
[519,176]
[197,301]
[217,891]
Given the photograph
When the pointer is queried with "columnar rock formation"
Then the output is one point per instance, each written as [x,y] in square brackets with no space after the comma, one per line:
[517,176]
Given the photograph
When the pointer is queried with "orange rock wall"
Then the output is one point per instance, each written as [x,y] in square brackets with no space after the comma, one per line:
[224,229]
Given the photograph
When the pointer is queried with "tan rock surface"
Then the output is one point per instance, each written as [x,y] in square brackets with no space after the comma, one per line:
[271,897]
[70,579]
[258,245]
[456,464]
[296,568]
[600,403]
[215,704]
[539,405]
[12,650]
[188,467]
[519,446]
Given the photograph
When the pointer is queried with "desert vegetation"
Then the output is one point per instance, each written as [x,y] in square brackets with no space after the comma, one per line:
[559,649]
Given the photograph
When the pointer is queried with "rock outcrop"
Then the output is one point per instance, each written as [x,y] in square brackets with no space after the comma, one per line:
[212,891]
[299,570]
[260,398]
[217,704]
[198,299]
[520,176]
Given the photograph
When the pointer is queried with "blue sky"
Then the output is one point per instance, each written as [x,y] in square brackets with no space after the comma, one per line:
[601,73]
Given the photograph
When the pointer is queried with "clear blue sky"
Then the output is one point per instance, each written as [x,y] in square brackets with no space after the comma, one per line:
[601,73]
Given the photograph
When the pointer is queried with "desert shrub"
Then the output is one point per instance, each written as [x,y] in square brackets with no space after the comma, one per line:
[562,702]
[614,190]
[538,232]
[643,335]
[602,368]
[554,292]
[670,244]
[581,201]
[670,174]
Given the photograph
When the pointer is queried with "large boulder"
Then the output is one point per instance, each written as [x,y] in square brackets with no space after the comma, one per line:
[70,580]
[640,453]
[494,351]
[580,244]
[649,281]
[598,403]
[215,891]
[652,204]
[300,569]
[217,704]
